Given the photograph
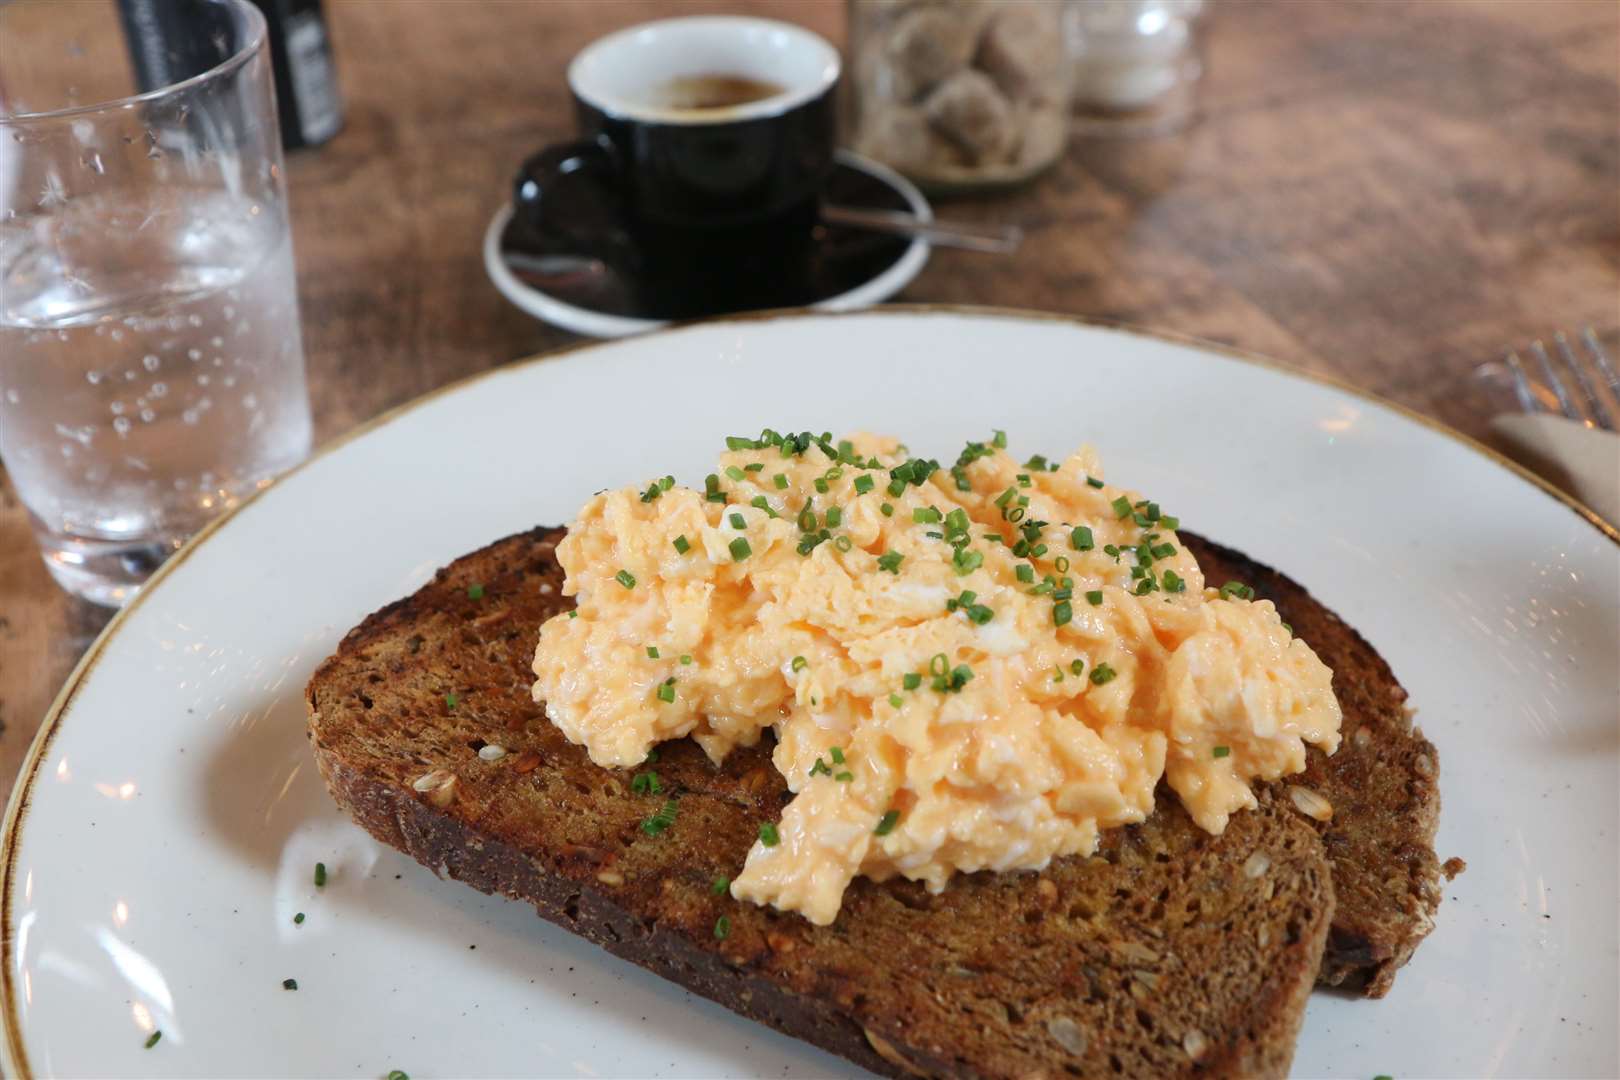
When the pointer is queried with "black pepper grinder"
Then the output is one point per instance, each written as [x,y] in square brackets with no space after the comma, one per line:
[169,40]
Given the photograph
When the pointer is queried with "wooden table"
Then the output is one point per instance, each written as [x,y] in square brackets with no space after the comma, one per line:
[1388,192]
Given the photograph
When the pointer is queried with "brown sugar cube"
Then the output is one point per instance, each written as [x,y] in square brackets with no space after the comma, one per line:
[969,110]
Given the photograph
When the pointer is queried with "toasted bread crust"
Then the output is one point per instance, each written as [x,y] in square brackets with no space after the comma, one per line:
[1171,952]
[1383,784]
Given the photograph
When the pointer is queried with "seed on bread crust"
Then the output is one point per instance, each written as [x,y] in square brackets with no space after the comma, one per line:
[1310,803]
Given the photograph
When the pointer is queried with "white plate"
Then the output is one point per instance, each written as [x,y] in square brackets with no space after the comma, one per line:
[169,819]
[591,323]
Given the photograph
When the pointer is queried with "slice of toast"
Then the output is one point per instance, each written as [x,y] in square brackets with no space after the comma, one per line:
[1383,786]
[1169,953]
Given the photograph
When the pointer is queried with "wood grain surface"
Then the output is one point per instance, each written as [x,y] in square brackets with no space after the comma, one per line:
[1388,192]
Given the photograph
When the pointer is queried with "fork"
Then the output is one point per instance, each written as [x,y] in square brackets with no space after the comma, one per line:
[1590,369]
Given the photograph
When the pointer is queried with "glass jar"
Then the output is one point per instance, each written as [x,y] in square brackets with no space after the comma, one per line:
[958,94]
[1135,65]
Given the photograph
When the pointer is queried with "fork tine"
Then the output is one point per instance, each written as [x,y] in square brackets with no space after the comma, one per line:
[1566,406]
[1528,401]
[1594,404]
[1602,359]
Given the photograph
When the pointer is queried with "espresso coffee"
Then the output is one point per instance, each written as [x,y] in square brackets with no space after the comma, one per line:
[700,92]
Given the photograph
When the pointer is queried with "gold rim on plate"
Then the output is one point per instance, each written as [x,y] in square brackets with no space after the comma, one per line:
[17,806]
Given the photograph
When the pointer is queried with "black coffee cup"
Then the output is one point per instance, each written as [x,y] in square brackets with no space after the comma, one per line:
[705,143]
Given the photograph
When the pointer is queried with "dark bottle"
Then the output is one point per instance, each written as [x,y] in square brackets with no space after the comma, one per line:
[172,40]
[306,79]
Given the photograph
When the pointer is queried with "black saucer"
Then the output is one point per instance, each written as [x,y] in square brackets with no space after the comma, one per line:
[843,263]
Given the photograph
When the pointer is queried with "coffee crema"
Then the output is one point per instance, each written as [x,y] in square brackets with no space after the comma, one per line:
[696,93]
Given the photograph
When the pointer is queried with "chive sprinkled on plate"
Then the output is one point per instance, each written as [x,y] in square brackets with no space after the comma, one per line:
[1173,582]
[740,549]
[1222,751]
[844,777]
[397,1074]
[298,919]
[781,481]
[652,652]
[646,783]
[1081,539]
[911,680]
[451,701]
[1024,572]
[721,886]
[289,984]
[799,663]
[1094,482]
[768,834]
[833,517]
[890,561]
[896,700]
[1094,597]
[887,509]
[886,823]
[737,521]
[926,515]
[666,690]
[686,658]
[1062,612]
[837,754]
[863,484]
[475,591]
[1122,507]
[999,440]
[1102,673]
[625,578]
[152,1039]
[722,928]
[320,875]
[1077,666]
[1238,589]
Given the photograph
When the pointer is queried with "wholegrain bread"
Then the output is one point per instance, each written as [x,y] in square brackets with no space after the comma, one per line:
[1169,953]
[1382,787]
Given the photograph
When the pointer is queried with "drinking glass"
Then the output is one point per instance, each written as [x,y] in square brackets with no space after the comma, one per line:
[151,370]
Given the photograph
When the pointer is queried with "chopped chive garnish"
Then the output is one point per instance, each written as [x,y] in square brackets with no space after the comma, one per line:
[896,700]
[1238,589]
[1122,507]
[863,484]
[1000,440]
[843,543]
[820,767]
[800,663]
[645,783]
[821,486]
[768,834]
[890,561]
[837,754]
[722,928]
[625,578]
[666,691]
[939,664]
[1094,597]
[572,614]
[651,758]
[844,777]
[1023,479]
[781,481]
[737,521]
[1102,673]
[733,472]
[1062,612]
[661,820]
[475,591]
[682,544]
[1288,628]
[740,549]
[833,517]
[1169,521]
[888,510]
[925,515]
[298,919]
[397,1074]
[152,1039]
[911,680]
[320,875]
[886,823]
[1173,582]
[759,502]
[1077,666]
[721,885]
[289,984]
[686,658]
[1024,572]
[652,652]
[1222,751]
[1081,539]
[1163,551]
[738,442]
[1094,482]
[451,701]
[967,561]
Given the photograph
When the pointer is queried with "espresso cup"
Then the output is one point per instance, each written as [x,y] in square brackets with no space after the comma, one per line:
[704,145]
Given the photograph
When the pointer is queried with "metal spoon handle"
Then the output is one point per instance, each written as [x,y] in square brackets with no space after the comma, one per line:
[996,239]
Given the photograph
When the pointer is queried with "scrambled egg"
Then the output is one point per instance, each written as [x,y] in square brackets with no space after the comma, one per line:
[969,667]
